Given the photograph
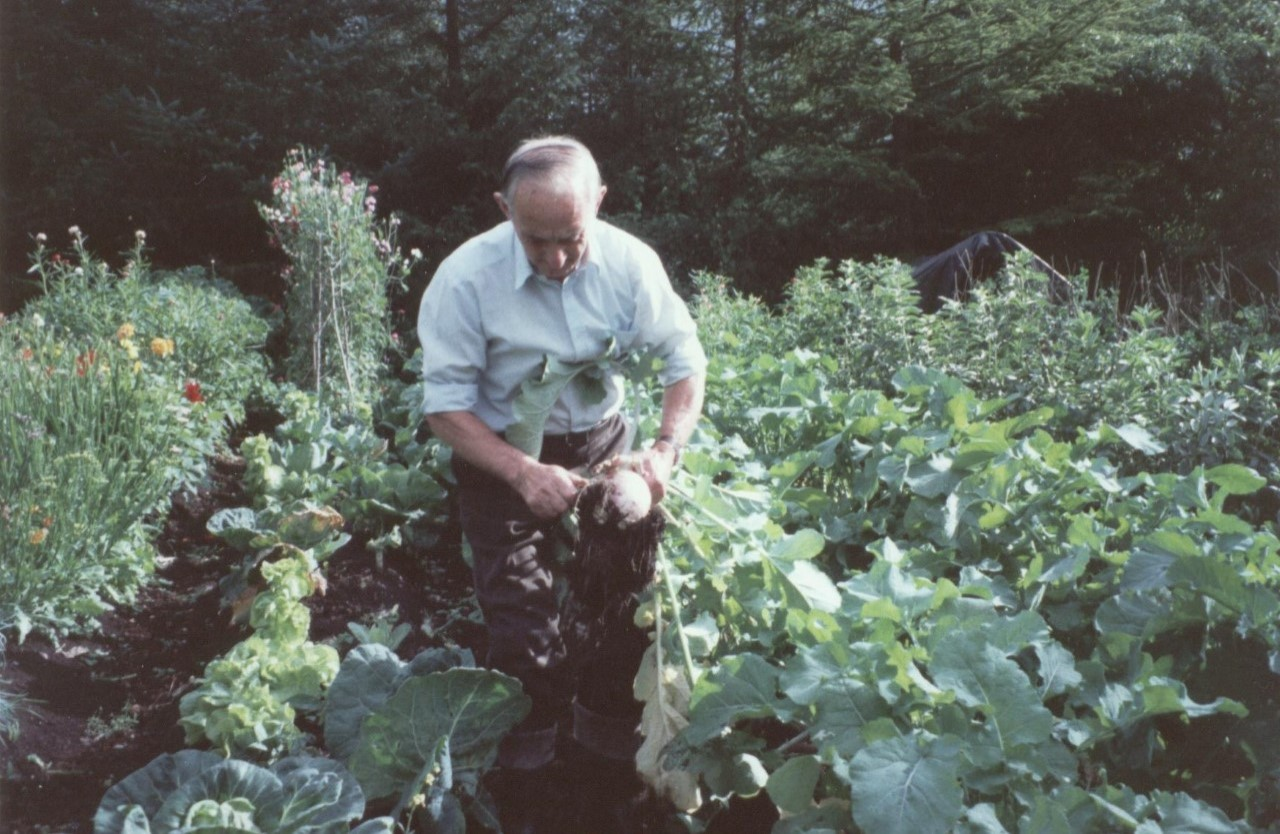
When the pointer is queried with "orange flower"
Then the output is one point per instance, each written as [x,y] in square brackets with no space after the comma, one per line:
[39,535]
[126,331]
[162,347]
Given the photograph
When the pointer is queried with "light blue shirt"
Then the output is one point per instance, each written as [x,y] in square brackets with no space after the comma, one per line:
[487,321]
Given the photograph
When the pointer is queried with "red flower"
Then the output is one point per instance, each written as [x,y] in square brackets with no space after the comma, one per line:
[192,392]
[84,362]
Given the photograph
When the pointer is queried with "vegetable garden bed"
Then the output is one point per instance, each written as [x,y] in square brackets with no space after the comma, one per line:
[103,705]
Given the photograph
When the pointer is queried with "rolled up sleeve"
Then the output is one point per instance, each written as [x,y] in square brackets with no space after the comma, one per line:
[453,355]
[665,326]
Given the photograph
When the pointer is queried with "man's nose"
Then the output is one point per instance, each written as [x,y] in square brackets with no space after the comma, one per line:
[557,257]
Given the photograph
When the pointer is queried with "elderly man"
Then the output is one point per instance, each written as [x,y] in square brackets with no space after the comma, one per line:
[552,281]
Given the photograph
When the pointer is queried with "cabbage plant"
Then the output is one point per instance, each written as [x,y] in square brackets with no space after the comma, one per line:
[199,791]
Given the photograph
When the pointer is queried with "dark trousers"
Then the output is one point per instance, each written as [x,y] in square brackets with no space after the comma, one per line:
[513,568]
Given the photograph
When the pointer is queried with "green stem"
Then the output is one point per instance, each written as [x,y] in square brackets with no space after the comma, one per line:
[688,497]
[668,581]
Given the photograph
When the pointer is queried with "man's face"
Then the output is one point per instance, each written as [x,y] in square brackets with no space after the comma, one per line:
[551,219]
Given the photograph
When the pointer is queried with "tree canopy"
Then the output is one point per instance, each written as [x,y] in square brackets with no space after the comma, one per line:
[743,136]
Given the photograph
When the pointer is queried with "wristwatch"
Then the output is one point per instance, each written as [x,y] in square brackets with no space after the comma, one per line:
[675,447]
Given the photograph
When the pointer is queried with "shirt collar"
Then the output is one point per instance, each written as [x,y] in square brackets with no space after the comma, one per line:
[522,270]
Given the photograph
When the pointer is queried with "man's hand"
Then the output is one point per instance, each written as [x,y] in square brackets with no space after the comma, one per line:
[549,490]
[654,464]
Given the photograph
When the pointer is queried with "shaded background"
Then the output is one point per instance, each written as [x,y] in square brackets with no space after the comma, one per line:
[746,137]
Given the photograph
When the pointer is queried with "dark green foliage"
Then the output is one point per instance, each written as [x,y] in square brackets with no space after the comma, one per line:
[744,136]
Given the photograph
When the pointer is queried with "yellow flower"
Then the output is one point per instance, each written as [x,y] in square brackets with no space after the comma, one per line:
[39,535]
[130,349]
[162,347]
[126,331]
[137,366]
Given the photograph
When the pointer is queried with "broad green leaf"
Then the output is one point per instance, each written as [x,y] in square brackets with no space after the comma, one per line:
[365,680]
[903,786]
[538,396]
[813,586]
[703,635]
[842,709]
[803,585]
[744,686]
[981,819]
[1234,479]
[1166,695]
[1182,814]
[808,673]
[472,708]
[828,818]
[984,679]
[801,545]
[1057,670]
[931,478]
[1046,816]
[743,775]
[791,786]
[238,526]
[148,787]
[1013,634]
[1139,615]
[1135,436]
[1218,580]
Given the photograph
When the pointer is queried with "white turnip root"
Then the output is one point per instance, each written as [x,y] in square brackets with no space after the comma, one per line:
[615,562]
[626,499]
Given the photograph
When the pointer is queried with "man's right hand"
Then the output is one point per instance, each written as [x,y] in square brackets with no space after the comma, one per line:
[549,490]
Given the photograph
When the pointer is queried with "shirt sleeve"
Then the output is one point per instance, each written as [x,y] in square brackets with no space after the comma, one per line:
[449,328]
[663,320]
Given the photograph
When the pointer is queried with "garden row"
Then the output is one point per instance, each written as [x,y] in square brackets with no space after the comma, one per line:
[1011,567]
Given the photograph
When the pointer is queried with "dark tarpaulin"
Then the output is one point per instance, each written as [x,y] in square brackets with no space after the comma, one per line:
[950,274]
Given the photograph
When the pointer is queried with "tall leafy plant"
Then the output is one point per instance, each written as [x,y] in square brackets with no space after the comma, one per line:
[342,263]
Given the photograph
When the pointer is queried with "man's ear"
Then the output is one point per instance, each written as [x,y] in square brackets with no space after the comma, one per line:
[502,204]
[603,190]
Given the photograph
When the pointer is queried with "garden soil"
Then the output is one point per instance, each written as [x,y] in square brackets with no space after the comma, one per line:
[98,706]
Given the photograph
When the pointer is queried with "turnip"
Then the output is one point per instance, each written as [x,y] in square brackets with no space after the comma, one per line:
[615,561]
[626,499]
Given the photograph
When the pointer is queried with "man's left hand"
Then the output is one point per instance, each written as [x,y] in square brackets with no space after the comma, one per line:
[654,464]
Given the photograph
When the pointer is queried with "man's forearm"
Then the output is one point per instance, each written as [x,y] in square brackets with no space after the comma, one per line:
[478,444]
[681,407]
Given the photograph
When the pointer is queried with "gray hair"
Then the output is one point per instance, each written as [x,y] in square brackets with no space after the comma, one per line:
[547,156]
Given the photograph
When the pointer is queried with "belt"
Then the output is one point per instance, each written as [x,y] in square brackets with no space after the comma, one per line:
[578,438]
